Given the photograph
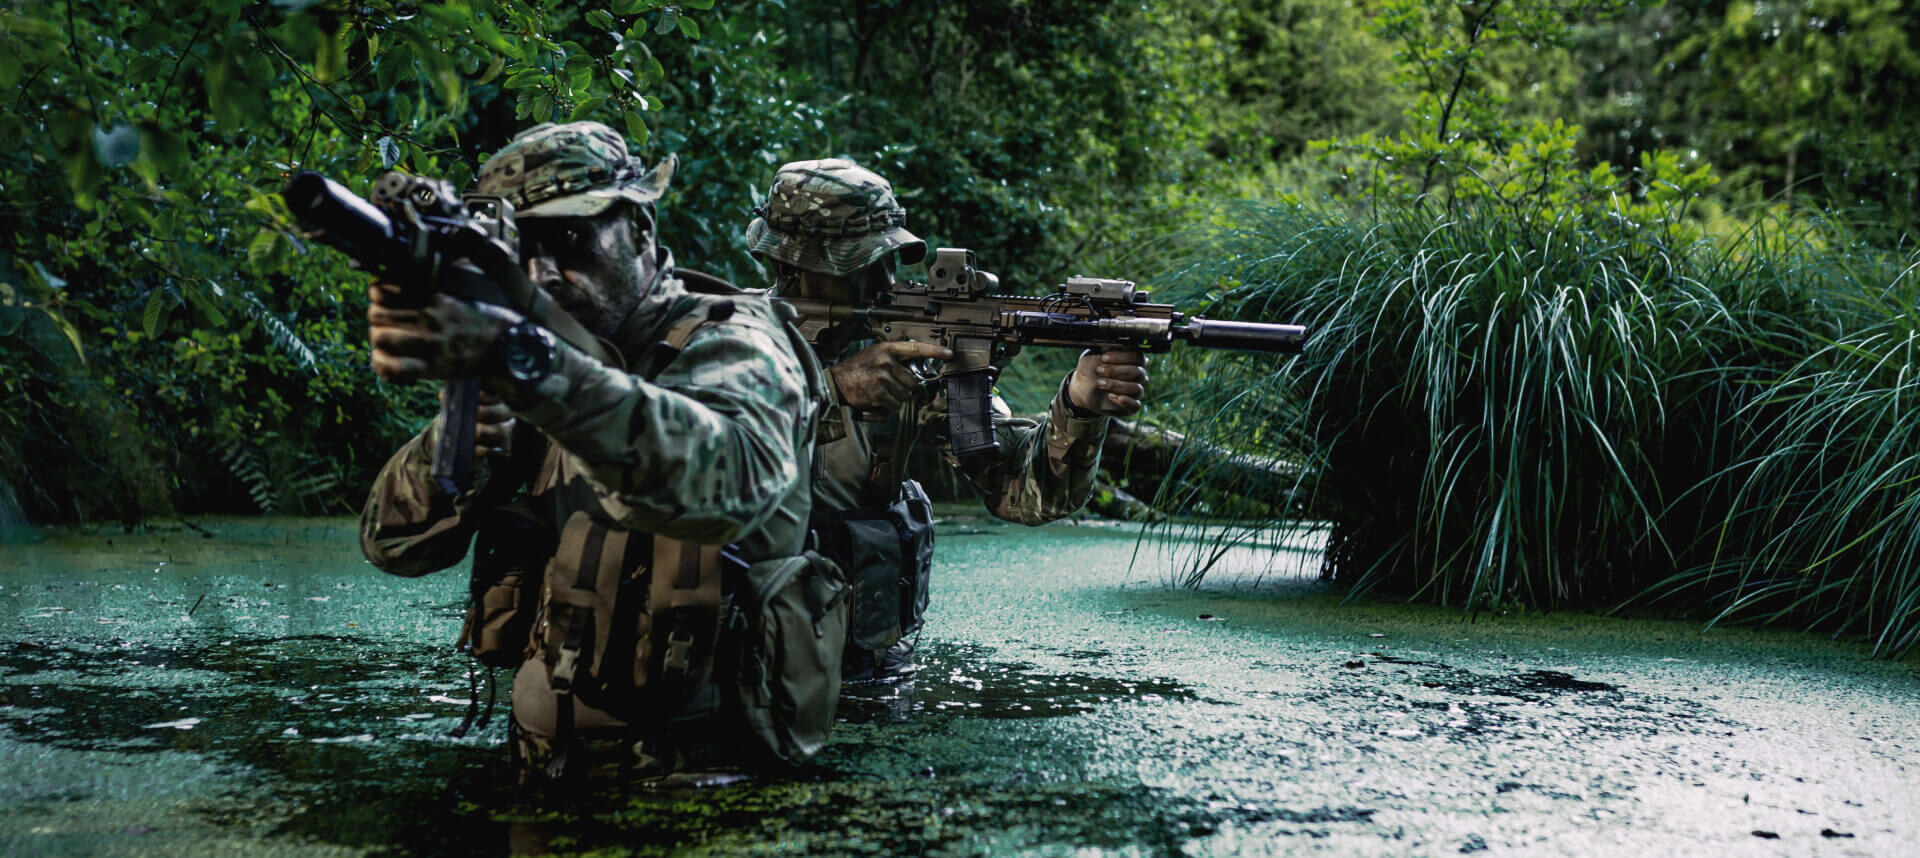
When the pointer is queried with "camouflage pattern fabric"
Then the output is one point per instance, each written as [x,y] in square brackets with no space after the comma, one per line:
[709,451]
[832,216]
[712,450]
[574,170]
[1045,471]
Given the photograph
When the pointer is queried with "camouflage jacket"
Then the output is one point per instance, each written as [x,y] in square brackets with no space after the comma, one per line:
[710,450]
[1045,470]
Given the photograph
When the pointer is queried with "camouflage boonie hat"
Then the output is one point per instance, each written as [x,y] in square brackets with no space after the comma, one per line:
[831,216]
[574,170]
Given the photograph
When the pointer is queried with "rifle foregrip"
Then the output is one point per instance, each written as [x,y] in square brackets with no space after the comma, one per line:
[1249,336]
[970,414]
[453,455]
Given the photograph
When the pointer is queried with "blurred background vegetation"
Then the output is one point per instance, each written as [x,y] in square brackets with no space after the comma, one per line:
[1611,301]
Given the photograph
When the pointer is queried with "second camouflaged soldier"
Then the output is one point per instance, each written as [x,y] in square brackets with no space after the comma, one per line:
[612,487]
[832,230]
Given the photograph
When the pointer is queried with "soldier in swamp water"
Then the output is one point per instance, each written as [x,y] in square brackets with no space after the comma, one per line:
[641,522]
[832,230]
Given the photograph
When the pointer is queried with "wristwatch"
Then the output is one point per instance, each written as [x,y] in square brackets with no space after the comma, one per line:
[523,354]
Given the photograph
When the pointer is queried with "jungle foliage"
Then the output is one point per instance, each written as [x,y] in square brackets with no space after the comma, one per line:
[1605,294]
[1539,380]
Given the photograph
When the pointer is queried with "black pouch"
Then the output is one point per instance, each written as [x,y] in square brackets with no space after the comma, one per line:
[887,554]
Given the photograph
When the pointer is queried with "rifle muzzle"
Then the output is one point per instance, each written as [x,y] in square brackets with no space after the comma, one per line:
[340,217]
[1246,336]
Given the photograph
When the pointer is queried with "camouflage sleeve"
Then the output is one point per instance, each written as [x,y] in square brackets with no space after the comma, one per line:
[409,527]
[705,451]
[1046,466]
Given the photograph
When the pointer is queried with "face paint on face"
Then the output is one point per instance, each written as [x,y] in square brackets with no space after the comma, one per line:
[860,287]
[596,268]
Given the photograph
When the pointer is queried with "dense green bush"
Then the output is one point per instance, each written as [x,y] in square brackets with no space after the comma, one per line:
[1496,417]
[1539,380]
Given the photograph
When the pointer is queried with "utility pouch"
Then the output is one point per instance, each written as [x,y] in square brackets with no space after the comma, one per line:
[787,634]
[512,546]
[887,554]
[632,620]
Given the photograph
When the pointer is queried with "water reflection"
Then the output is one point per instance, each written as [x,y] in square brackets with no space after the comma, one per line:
[349,737]
[967,679]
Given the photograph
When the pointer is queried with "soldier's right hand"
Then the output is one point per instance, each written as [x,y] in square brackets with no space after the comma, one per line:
[879,378]
[446,338]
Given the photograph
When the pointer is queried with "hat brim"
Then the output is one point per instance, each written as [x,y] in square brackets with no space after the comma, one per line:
[645,189]
[838,256]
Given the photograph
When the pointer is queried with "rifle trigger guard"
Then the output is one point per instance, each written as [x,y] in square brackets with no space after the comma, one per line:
[925,369]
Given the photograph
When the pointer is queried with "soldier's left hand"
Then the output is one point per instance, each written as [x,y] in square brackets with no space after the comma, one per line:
[1111,383]
[448,338]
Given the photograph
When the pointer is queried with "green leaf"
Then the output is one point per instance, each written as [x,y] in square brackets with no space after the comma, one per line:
[67,328]
[666,23]
[389,151]
[489,35]
[586,108]
[525,78]
[9,68]
[493,70]
[637,131]
[697,4]
[688,27]
[634,7]
[459,173]
[265,251]
[156,312]
[205,304]
[455,17]
[450,86]
[330,63]
[600,19]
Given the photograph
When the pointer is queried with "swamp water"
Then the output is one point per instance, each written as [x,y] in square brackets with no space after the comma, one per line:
[260,690]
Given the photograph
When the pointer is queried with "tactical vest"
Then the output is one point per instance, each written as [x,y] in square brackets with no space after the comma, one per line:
[640,625]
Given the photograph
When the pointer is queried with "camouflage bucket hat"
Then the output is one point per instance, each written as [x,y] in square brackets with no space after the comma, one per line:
[831,216]
[574,170]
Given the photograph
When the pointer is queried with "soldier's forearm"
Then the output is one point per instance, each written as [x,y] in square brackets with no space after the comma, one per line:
[408,526]
[707,468]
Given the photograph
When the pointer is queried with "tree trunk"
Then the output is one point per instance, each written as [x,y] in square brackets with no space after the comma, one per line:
[1142,457]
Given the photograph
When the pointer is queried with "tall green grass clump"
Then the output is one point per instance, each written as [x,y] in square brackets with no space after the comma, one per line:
[1822,523]
[1495,413]
[1540,380]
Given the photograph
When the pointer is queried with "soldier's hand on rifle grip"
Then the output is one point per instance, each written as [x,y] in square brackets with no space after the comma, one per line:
[880,377]
[492,426]
[447,338]
[1109,383]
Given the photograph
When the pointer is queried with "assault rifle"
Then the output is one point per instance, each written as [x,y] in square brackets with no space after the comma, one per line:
[956,309]
[419,235]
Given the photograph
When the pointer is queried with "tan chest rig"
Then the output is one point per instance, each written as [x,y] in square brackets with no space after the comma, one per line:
[629,622]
